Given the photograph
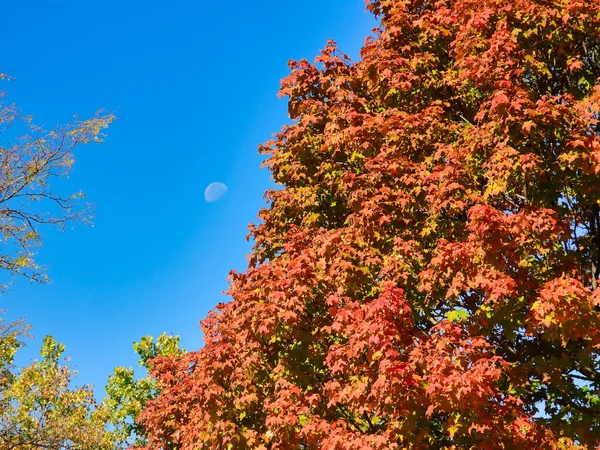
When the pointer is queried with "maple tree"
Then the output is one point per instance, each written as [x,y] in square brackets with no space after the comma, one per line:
[427,277]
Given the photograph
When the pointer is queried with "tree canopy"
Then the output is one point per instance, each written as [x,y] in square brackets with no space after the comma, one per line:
[31,159]
[39,406]
[39,409]
[127,395]
[426,277]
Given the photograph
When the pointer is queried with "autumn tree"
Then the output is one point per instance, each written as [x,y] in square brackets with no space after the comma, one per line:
[427,275]
[31,160]
[39,406]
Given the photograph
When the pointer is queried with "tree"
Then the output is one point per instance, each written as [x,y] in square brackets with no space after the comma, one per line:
[126,395]
[41,409]
[38,407]
[426,277]
[29,163]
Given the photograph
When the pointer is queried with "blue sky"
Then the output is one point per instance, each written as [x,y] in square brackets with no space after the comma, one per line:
[193,85]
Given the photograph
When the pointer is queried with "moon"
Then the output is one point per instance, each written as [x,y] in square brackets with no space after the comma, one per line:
[215,191]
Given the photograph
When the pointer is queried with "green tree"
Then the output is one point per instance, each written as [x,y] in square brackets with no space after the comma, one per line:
[38,407]
[126,395]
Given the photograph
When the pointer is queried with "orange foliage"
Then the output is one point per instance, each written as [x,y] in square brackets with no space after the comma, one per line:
[427,275]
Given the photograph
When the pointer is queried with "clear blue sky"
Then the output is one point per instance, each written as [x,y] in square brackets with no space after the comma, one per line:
[194,86]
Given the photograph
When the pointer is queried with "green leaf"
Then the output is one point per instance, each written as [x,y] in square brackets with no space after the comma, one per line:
[457,315]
